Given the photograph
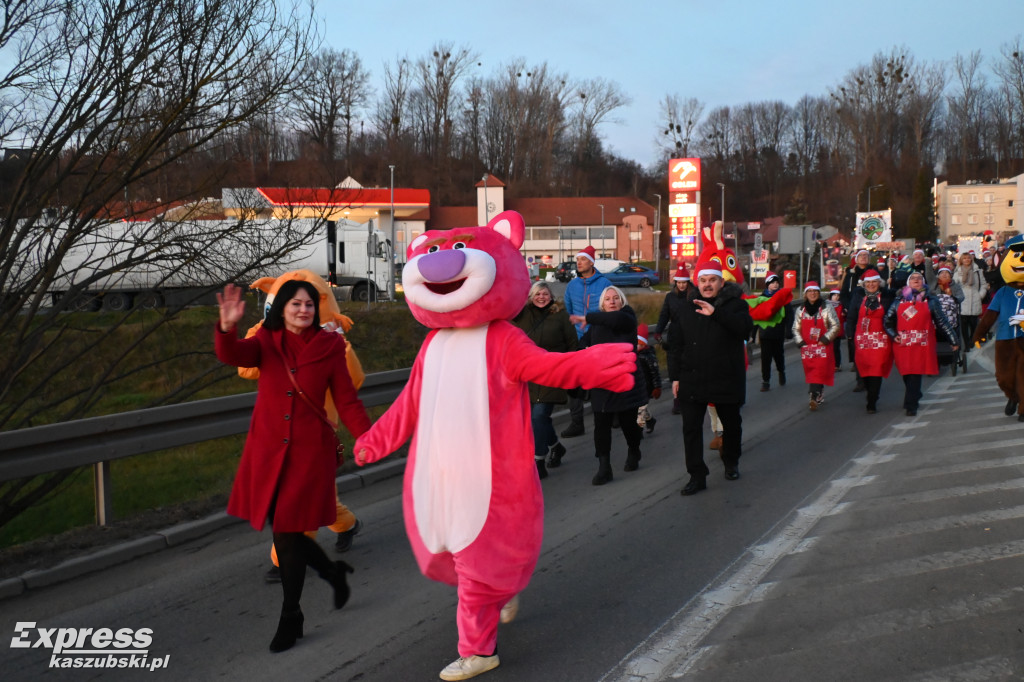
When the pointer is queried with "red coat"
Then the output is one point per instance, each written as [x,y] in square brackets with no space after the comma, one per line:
[289,447]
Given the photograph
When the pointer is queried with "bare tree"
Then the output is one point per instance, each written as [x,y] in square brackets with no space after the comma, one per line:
[680,119]
[967,117]
[596,99]
[333,86]
[1010,71]
[112,98]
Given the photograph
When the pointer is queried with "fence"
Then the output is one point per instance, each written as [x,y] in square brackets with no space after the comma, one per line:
[99,440]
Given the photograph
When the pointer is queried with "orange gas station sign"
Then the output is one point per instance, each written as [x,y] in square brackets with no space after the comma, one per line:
[684,207]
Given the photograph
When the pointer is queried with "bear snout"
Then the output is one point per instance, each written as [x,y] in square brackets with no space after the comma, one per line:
[442,266]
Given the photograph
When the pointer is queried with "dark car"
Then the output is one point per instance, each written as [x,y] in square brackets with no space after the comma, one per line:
[627,275]
[565,270]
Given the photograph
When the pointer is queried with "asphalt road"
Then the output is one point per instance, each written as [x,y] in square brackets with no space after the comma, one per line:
[620,564]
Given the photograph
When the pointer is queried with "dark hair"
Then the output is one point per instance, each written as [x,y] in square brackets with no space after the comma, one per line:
[275,316]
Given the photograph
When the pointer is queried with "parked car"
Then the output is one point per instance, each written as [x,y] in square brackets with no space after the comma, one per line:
[565,270]
[627,275]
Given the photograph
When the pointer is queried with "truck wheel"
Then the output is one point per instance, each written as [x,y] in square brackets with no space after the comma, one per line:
[364,292]
[86,303]
[117,302]
[149,300]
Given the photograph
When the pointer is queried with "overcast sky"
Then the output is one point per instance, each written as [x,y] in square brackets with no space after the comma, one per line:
[728,52]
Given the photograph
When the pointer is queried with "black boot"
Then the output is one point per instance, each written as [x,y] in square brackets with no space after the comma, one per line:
[556,455]
[1011,407]
[542,471]
[337,579]
[604,470]
[289,628]
[782,378]
[650,424]
[632,460]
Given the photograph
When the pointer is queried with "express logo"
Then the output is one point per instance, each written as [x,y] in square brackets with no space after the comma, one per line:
[90,647]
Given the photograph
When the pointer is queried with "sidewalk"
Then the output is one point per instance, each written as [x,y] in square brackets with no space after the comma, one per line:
[908,566]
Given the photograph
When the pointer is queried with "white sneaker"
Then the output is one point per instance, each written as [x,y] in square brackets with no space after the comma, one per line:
[510,610]
[469,666]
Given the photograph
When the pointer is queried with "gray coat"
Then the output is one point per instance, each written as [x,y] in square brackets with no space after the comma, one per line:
[974,288]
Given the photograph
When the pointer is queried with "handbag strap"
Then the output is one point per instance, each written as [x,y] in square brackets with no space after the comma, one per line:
[302,394]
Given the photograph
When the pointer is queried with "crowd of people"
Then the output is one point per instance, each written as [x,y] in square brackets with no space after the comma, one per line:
[897,316]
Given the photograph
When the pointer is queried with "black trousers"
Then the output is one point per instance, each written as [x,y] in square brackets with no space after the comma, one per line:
[693,435]
[873,386]
[603,431]
[912,394]
[968,323]
[772,349]
[576,411]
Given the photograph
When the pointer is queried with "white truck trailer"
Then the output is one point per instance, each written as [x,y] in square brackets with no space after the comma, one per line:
[119,266]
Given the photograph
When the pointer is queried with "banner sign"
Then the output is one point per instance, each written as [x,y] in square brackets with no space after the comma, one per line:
[873,227]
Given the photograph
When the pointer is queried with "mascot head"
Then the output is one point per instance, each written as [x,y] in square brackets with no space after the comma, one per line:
[329,311]
[716,250]
[1012,267]
[467,276]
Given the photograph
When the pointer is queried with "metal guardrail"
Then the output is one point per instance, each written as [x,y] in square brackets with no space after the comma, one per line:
[99,440]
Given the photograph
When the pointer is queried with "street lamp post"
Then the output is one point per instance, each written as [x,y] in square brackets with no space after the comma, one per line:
[561,256]
[487,208]
[601,206]
[657,233]
[393,264]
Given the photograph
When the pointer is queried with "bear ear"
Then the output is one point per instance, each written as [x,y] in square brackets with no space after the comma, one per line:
[510,225]
[415,244]
[263,284]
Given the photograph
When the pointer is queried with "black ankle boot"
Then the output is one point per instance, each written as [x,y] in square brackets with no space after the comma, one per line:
[289,628]
[338,581]
[542,471]
[556,455]
[604,470]
[632,460]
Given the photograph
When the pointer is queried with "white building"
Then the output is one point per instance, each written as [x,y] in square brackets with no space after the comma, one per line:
[977,206]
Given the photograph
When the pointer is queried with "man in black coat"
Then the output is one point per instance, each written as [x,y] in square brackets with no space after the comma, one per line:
[707,364]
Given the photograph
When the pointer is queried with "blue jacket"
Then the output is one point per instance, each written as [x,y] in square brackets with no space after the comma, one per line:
[583,295]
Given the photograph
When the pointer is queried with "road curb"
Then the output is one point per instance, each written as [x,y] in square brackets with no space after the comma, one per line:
[170,537]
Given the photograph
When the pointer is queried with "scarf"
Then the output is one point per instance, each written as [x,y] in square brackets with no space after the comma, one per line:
[908,294]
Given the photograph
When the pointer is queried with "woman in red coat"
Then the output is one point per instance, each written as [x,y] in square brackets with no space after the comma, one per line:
[287,470]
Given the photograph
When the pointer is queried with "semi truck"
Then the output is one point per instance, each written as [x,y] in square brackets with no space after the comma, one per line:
[117,267]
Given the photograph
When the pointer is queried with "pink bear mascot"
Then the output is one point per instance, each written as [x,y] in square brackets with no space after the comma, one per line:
[473,507]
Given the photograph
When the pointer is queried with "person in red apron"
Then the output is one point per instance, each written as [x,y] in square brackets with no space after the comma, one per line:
[815,327]
[911,322]
[866,329]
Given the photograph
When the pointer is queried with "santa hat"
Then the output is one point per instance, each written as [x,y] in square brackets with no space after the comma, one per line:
[588,253]
[862,251]
[682,274]
[772,277]
[918,251]
[709,267]
[812,285]
[871,276]
[641,332]
[834,291]
[945,269]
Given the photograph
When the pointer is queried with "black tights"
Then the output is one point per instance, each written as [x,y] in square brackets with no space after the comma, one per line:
[295,551]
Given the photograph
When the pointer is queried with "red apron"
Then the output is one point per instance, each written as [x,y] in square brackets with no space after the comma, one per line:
[873,356]
[916,353]
[817,358]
